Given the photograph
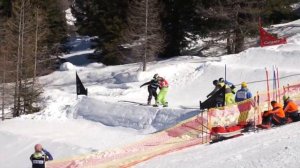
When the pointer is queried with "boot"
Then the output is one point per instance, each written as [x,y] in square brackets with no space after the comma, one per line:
[156,104]
[166,104]
[149,102]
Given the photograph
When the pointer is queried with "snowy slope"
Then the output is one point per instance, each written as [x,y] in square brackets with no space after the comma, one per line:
[68,126]
[276,148]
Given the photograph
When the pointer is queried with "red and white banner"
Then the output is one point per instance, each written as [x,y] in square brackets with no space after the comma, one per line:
[266,39]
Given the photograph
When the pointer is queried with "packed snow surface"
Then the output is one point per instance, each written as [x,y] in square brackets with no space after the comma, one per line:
[114,113]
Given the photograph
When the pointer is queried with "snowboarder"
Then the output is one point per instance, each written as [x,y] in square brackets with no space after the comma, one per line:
[275,116]
[40,156]
[245,106]
[152,87]
[291,109]
[163,86]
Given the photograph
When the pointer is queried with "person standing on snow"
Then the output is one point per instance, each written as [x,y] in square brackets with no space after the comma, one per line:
[217,87]
[152,87]
[223,82]
[243,93]
[40,156]
[219,99]
[229,96]
[244,107]
[163,86]
[229,91]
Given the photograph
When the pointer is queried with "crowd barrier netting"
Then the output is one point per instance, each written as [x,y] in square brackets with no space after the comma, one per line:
[185,134]
[250,111]
[191,132]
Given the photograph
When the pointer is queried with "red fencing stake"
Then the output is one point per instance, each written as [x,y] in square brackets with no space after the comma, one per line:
[268,88]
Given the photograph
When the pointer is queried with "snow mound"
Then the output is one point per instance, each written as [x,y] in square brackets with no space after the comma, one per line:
[127,77]
[131,116]
[95,65]
[67,66]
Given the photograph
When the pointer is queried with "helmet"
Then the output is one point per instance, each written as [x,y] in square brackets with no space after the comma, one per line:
[215,82]
[244,84]
[221,80]
[155,76]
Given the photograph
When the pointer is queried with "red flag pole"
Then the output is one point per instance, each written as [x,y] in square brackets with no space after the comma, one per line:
[278,86]
[268,88]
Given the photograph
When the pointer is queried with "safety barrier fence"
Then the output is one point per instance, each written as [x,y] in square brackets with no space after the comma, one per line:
[250,111]
[191,132]
[185,134]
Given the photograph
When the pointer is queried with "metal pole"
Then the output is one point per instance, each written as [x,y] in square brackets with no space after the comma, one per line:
[225,73]
[146,37]
[3,87]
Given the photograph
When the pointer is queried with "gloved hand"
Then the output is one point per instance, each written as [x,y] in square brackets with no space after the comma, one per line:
[141,86]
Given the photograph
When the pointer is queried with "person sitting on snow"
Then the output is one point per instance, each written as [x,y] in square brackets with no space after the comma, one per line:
[291,109]
[152,87]
[275,116]
[163,86]
[40,156]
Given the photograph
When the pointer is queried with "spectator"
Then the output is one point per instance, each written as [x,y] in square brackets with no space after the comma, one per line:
[40,156]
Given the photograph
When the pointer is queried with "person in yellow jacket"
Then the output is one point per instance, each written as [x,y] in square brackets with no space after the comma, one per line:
[229,96]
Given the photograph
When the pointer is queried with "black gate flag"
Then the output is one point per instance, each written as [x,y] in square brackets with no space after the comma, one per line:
[81,90]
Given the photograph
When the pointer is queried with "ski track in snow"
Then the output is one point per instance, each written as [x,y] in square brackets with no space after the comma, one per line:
[68,126]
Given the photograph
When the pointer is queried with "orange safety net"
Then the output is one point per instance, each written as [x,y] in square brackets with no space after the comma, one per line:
[251,110]
[183,135]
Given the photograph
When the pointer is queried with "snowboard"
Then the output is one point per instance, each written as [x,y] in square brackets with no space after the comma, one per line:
[134,103]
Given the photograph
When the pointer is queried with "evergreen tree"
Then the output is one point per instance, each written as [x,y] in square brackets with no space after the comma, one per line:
[276,11]
[143,35]
[105,19]
[233,20]
[180,22]
[55,19]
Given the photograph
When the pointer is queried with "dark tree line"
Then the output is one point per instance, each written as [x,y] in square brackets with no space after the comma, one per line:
[180,21]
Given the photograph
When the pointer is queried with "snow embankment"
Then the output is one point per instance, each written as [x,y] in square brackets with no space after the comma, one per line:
[64,139]
[131,116]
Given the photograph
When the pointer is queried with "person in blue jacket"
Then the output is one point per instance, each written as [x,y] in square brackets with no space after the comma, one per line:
[40,156]
[244,106]
[243,93]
